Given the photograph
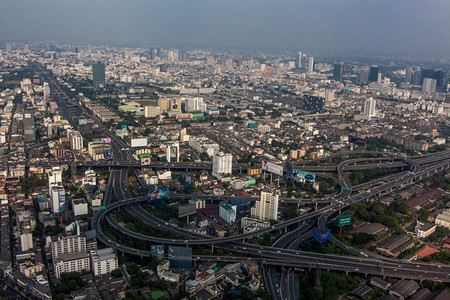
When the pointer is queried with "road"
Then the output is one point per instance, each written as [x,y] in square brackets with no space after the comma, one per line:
[273,256]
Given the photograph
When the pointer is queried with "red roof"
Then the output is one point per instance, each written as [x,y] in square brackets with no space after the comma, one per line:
[427,251]
[244,193]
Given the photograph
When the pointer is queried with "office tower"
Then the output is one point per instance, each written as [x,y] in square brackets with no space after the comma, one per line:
[194,104]
[338,72]
[266,208]
[364,76]
[98,75]
[429,85]
[299,60]
[173,152]
[46,89]
[370,107]
[439,75]
[373,74]
[416,76]
[103,261]
[183,56]
[311,64]
[164,104]
[75,50]
[222,163]
[426,73]
[67,244]
[29,132]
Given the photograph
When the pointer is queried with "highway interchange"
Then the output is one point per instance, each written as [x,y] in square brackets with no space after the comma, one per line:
[285,251]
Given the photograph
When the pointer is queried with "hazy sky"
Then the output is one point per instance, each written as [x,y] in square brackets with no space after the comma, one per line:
[405,27]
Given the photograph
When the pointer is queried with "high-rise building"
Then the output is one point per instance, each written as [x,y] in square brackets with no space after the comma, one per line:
[26,240]
[29,132]
[152,111]
[75,139]
[370,107]
[103,261]
[311,64]
[299,60]
[46,89]
[194,104]
[429,85]
[222,163]
[72,262]
[98,75]
[67,244]
[364,76]
[408,75]
[439,75]
[55,176]
[227,213]
[173,152]
[164,104]
[338,72]
[373,73]
[426,73]
[266,208]
[58,198]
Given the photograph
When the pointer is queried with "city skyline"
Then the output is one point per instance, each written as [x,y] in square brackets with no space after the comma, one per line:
[349,27]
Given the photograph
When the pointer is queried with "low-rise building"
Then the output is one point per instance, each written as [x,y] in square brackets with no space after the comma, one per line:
[424,229]
[404,288]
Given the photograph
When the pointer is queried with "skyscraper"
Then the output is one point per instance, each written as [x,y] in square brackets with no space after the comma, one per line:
[46,89]
[370,107]
[299,60]
[364,76]
[373,74]
[311,64]
[338,72]
[98,75]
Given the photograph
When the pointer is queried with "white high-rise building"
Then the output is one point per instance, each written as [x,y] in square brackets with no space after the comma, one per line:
[55,177]
[194,104]
[311,64]
[75,139]
[67,244]
[26,241]
[429,85]
[173,152]
[299,60]
[103,261]
[72,262]
[222,163]
[58,198]
[370,107]
[227,213]
[267,207]
[46,89]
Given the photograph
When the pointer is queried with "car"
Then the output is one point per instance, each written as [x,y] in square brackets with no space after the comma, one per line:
[218,258]
[436,278]
[425,272]
[395,270]
[259,252]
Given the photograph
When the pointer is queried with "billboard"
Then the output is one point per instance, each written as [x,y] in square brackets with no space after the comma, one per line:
[62,200]
[142,155]
[158,194]
[343,220]
[321,237]
[108,155]
[102,141]
[142,142]
[303,176]
[271,167]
